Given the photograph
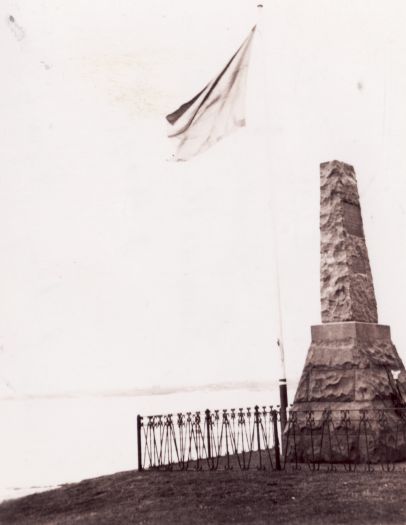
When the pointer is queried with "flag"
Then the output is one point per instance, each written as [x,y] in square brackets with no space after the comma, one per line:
[216,111]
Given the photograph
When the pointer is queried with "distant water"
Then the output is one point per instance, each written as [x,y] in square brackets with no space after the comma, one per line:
[48,442]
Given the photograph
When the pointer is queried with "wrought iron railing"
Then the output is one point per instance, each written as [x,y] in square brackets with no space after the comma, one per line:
[211,440]
[254,438]
[350,438]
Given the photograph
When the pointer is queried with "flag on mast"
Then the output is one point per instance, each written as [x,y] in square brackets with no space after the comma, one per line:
[216,111]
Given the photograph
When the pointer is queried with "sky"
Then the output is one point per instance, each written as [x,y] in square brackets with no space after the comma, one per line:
[123,270]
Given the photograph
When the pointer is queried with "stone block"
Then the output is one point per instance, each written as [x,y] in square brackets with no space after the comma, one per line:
[373,384]
[302,391]
[331,354]
[331,385]
[379,353]
[350,330]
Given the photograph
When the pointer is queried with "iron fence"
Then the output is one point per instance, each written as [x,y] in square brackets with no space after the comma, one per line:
[256,438]
[218,439]
[351,438]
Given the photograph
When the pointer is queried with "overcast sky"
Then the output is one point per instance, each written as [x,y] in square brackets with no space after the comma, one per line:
[120,269]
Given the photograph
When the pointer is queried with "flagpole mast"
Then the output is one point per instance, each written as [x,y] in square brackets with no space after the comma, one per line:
[283,391]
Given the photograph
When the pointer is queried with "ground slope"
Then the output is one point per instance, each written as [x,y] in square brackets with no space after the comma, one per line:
[219,497]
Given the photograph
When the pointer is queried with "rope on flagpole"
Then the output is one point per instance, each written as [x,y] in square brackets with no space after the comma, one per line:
[279,342]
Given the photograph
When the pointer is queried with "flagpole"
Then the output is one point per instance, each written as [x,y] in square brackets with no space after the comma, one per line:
[283,390]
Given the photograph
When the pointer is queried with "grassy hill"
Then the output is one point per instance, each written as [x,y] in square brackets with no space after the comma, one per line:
[223,497]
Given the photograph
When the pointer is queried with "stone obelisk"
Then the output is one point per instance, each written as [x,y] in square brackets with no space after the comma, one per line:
[347,291]
[351,358]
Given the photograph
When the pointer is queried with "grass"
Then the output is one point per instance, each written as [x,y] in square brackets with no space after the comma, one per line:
[218,497]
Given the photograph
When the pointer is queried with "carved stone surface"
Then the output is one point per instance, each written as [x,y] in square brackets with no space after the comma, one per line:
[348,370]
[348,362]
[347,292]
[351,358]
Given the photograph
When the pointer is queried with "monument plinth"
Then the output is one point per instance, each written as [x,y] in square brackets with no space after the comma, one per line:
[352,362]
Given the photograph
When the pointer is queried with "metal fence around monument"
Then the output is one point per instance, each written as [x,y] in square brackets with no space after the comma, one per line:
[255,438]
[235,438]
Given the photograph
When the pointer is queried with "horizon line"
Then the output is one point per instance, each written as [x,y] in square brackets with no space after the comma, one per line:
[144,391]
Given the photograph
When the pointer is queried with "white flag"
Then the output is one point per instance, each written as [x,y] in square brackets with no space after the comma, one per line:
[216,111]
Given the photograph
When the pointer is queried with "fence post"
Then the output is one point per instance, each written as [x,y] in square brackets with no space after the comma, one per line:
[208,424]
[283,394]
[256,408]
[276,440]
[139,450]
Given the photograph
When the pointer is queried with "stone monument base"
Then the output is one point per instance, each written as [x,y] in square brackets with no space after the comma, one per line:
[349,401]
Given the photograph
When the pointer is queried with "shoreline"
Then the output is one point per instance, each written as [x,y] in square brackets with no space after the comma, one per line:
[12,493]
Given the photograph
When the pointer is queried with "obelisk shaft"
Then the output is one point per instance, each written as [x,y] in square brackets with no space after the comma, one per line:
[347,291]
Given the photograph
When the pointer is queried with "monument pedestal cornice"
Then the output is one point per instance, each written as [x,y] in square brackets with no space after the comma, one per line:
[350,329]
